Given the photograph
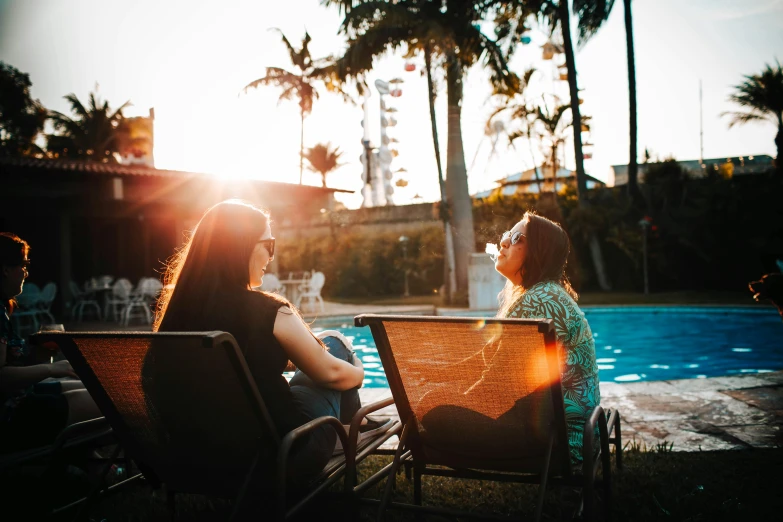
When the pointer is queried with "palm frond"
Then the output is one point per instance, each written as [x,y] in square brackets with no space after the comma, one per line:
[740,118]
[295,56]
[591,15]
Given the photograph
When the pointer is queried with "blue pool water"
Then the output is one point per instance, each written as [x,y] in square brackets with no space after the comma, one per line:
[652,343]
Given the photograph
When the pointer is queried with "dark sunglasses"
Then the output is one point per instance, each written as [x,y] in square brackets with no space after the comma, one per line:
[515,237]
[25,264]
[269,244]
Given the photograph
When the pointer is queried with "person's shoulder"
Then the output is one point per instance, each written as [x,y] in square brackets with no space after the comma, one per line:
[266,300]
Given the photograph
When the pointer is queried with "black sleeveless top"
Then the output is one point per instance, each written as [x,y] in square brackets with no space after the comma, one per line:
[250,318]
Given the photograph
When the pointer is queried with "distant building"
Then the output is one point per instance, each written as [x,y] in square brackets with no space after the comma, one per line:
[87,219]
[528,183]
[739,166]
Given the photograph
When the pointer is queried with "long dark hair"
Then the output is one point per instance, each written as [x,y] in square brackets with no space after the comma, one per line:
[214,260]
[13,251]
[548,247]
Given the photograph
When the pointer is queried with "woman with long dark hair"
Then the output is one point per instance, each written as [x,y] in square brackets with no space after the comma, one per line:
[532,257]
[32,413]
[209,286]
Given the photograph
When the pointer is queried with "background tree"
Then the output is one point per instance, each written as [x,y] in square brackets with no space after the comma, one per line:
[90,134]
[449,32]
[323,159]
[21,117]
[299,85]
[761,95]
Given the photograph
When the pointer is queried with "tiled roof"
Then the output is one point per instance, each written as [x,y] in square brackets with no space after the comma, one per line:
[93,167]
[116,169]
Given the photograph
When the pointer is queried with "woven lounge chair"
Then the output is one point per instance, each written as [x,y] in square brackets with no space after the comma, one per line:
[482,399]
[187,411]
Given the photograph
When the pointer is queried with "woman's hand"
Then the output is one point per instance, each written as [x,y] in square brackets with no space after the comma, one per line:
[61,369]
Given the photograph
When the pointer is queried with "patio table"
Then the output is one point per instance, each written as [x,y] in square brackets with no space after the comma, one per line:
[292,288]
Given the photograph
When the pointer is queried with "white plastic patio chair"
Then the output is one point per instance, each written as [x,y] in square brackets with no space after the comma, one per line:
[118,299]
[81,300]
[311,291]
[25,316]
[45,300]
[272,284]
[142,299]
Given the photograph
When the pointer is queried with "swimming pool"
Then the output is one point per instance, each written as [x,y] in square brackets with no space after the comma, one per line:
[642,343]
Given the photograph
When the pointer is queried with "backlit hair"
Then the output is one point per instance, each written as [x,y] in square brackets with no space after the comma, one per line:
[548,247]
[215,259]
[13,251]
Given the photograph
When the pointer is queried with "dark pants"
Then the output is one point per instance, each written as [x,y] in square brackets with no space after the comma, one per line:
[315,401]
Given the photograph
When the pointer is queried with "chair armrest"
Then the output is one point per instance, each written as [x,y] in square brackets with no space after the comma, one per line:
[291,436]
[82,432]
[356,422]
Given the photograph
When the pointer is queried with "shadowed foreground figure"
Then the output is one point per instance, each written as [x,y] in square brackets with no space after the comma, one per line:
[33,409]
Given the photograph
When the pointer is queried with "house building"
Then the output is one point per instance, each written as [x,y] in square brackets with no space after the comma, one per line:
[84,220]
[736,166]
[535,181]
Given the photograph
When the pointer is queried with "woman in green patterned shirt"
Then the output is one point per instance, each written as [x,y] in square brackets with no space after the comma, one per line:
[533,258]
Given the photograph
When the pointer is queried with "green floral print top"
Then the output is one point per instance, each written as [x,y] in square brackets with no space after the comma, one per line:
[579,374]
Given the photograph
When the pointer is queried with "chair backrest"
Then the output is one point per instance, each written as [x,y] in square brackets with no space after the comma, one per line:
[48,293]
[316,283]
[31,289]
[479,393]
[271,283]
[121,288]
[149,287]
[76,292]
[157,392]
[30,296]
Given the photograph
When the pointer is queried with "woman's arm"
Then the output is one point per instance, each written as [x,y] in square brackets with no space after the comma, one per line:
[17,377]
[310,357]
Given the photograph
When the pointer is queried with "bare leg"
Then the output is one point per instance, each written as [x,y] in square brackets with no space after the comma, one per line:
[81,407]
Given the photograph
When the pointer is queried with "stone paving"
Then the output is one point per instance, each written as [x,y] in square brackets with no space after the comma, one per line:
[719,413]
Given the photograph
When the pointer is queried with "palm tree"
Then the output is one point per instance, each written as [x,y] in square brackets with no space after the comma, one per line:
[520,116]
[591,14]
[633,169]
[555,128]
[449,34]
[761,95]
[299,85]
[92,132]
[323,159]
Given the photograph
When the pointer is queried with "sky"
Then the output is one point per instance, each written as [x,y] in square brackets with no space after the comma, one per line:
[190,60]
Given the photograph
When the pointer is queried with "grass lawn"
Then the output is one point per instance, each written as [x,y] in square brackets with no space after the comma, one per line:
[656,485]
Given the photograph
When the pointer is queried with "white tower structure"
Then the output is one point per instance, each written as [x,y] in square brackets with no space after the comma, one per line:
[377,176]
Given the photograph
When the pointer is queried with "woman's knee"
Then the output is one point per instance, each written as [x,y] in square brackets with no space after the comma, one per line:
[337,344]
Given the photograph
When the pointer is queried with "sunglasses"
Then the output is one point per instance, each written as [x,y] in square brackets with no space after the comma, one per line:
[515,237]
[25,264]
[269,244]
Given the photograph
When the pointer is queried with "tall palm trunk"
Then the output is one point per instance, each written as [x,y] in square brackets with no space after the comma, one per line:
[565,25]
[633,184]
[301,146]
[779,144]
[581,177]
[457,179]
[450,275]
